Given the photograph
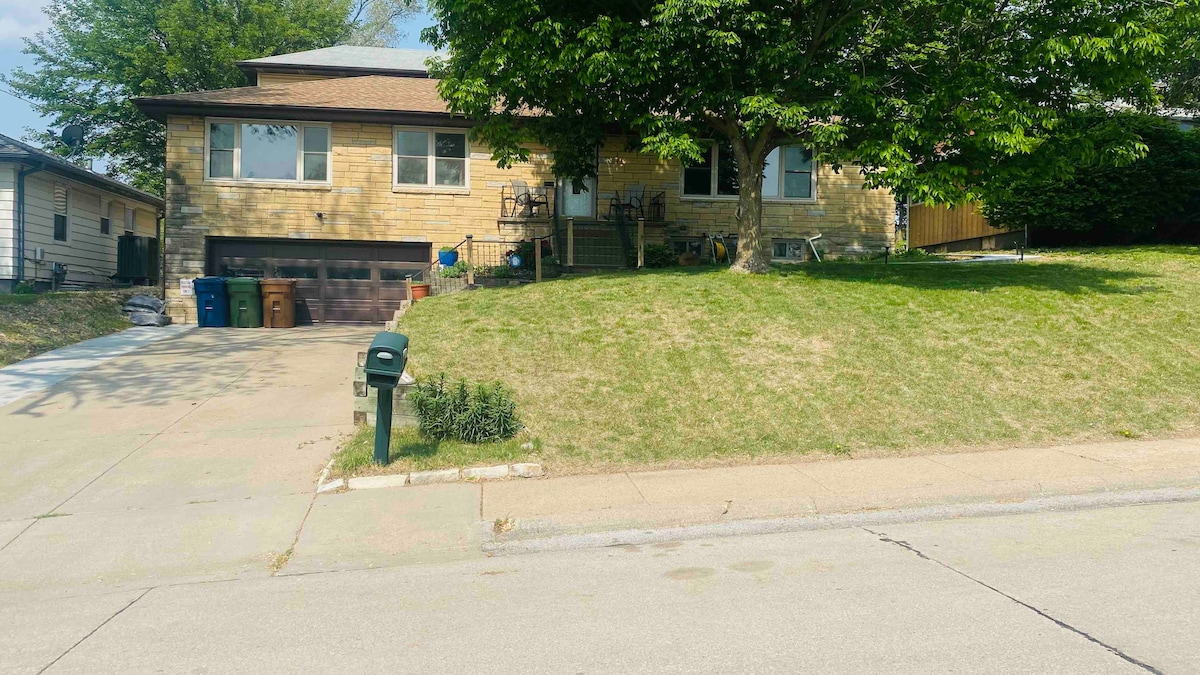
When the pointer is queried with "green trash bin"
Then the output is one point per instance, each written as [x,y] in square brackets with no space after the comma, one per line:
[245,303]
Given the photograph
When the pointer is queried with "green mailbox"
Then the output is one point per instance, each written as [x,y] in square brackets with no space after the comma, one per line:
[386,358]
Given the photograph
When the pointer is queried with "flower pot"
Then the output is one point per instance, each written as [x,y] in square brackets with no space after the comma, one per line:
[420,291]
[447,258]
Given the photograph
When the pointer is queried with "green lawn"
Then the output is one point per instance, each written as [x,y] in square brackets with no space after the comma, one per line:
[34,323]
[700,366]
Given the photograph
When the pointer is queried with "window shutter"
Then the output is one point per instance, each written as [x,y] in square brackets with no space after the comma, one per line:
[60,199]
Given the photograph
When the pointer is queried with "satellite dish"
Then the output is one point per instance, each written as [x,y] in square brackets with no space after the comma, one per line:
[72,136]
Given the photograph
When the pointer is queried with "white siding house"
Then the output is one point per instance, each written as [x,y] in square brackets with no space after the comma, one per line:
[52,211]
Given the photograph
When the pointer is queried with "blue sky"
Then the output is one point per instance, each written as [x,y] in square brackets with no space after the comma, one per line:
[24,18]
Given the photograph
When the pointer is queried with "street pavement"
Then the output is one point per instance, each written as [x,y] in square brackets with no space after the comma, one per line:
[157,513]
[1095,591]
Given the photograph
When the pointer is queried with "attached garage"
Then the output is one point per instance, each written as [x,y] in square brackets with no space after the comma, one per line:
[336,281]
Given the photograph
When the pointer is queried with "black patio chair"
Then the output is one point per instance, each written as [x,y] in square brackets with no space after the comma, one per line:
[530,199]
[628,203]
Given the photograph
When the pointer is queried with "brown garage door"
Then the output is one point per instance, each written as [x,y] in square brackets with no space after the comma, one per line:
[352,282]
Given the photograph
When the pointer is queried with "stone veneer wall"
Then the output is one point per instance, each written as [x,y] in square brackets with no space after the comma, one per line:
[362,204]
[851,220]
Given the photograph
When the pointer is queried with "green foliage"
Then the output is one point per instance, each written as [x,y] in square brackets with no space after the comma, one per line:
[659,255]
[929,97]
[481,413]
[1112,201]
[456,271]
[97,55]
[445,249]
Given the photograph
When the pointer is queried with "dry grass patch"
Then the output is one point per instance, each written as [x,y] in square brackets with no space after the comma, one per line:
[32,324]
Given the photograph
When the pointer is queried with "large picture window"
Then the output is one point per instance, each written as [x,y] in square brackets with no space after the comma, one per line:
[787,174]
[268,151]
[431,158]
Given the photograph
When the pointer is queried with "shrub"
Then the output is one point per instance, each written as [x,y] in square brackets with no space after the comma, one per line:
[659,255]
[1109,200]
[480,413]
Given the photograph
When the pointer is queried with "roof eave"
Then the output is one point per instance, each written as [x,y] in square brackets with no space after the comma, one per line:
[251,70]
[159,109]
[84,176]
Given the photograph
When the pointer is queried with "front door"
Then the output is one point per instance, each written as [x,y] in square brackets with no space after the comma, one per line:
[578,197]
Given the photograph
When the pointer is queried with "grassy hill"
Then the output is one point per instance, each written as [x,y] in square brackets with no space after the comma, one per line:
[701,366]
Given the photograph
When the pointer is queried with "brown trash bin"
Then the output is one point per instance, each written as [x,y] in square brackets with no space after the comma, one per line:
[279,303]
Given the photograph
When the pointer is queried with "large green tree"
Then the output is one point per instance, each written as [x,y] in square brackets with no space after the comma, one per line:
[98,54]
[930,97]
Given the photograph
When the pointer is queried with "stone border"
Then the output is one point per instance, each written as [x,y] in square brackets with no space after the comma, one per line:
[471,475]
[366,398]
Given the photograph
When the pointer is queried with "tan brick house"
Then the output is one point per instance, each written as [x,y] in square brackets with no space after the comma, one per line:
[342,167]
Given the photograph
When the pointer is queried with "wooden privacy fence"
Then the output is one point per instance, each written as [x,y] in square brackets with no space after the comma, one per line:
[932,225]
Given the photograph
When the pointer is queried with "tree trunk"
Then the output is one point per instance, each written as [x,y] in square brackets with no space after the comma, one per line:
[751,258]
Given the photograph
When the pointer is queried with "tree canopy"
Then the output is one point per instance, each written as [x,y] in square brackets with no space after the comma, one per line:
[931,98]
[98,54]
[1152,198]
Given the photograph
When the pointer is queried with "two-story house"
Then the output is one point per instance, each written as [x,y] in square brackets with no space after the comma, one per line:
[343,168]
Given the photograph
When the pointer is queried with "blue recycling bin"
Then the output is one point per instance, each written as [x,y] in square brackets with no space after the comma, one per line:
[212,302]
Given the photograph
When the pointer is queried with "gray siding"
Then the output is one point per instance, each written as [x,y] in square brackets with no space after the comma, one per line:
[90,257]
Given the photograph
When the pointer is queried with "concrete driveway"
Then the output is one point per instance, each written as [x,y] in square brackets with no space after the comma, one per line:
[193,458]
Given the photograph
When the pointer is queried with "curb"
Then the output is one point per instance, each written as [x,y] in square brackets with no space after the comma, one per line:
[654,535]
[470,475]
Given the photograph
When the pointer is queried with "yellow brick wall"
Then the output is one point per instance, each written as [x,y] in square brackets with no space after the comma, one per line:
[287,78]
[361,203]
[851,220]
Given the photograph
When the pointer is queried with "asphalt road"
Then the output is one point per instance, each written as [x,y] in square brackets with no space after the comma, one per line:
[1113,590]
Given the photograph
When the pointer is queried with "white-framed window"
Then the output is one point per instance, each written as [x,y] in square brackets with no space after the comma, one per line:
[788,175]
[62,211]
[105,216]
[130,220]
[432,158]
[267,151]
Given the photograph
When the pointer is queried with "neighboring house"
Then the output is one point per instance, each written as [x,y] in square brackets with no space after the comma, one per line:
[343,168]
[52,211]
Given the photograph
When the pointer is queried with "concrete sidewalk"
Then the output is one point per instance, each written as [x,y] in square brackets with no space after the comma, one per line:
[386,527]
[568,505]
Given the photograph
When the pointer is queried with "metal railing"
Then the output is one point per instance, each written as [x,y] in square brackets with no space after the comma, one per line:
[617,243]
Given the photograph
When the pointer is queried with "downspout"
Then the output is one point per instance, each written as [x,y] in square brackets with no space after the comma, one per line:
[19,221]
[162,255]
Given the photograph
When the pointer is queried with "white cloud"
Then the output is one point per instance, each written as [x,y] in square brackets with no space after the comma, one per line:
[20,19]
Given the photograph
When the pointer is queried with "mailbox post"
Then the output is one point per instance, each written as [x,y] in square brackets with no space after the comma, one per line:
[386,359]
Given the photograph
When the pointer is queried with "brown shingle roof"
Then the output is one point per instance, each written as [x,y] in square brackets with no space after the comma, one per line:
[371,92]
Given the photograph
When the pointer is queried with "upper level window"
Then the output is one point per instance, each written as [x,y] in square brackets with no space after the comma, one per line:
[787,174]
[268,151]
[430,158]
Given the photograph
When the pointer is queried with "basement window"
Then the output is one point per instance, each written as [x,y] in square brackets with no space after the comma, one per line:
[261,151]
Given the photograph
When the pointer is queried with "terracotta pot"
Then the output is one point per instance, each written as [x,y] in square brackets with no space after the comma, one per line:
[420,291]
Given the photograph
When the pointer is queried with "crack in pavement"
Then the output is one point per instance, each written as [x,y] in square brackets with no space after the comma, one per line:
[1061,624]
[93,631]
